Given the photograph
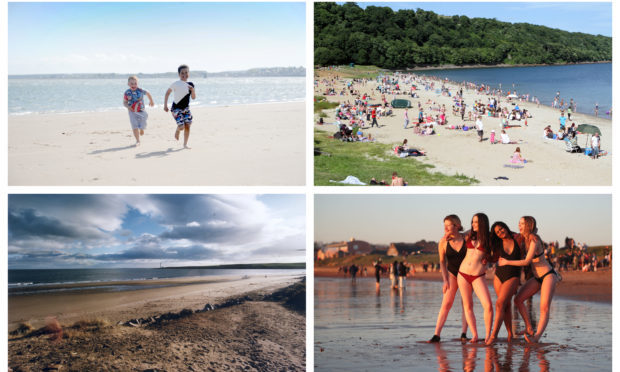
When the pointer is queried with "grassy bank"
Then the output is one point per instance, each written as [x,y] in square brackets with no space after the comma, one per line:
[365,160]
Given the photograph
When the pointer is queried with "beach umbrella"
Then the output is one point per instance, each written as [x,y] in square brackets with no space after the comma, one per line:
[512,96]
[588,129]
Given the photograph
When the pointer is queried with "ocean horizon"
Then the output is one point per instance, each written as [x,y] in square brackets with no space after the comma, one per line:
[47,95]
[29,281]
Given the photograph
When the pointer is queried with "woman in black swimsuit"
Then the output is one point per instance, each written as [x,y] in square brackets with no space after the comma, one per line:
[544,279]
[451,249]
[506,279]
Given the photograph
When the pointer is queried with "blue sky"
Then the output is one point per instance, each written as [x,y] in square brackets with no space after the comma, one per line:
[587,17]
[153,37]
[67,231]
[383,219]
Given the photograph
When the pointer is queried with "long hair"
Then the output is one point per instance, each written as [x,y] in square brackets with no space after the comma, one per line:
[496,242]
[482,235]
[530,232]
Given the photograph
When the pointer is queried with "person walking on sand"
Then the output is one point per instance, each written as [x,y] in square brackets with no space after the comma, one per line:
[133,100]
[183,90]
[479,127]
[374,118]
[406,118]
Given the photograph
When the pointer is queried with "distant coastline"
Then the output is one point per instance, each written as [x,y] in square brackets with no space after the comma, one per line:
[254,72]
[293,265]
[502,65]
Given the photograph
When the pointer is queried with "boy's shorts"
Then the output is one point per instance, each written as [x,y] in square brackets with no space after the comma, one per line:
[138,119]
[182,116]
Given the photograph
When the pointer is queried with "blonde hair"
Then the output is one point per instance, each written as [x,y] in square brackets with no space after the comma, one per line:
[132,77]
[530,230]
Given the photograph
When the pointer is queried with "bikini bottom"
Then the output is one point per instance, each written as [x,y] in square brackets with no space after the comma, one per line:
[471,278]
[540,280]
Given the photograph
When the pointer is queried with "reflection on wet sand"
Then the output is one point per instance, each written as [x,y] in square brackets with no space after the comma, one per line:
[360,327]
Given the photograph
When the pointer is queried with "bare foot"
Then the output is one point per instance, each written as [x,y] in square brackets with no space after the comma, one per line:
[176,134]
[474,340]
[187,147]
[531,338]
[137,144]
[490,341]
[509,337]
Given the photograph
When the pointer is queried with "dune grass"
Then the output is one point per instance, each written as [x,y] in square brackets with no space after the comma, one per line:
[366,160]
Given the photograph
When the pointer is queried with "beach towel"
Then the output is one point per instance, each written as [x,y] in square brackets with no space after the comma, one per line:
[350,180]
[516,166]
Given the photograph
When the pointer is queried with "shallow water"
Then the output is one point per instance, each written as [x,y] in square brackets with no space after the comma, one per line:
[356,328]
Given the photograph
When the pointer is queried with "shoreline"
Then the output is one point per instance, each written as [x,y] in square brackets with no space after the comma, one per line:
[241,145]
[575,285]
[458,67]
[122,109]
[184,293]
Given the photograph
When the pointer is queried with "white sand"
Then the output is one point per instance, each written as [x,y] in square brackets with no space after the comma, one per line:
[261,144]
[458,152]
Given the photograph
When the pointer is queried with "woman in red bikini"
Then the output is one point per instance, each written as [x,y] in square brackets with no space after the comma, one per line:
[451,253]
[544,280]
[506,279]
[471,274]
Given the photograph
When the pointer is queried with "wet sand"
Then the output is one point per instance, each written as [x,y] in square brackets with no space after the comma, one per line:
[233,145]
[458,152]
[575,285]
[262,332]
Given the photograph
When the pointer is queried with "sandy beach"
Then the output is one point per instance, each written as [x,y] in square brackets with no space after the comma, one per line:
[575,285]
[259,333]
[231,145]
[459,152]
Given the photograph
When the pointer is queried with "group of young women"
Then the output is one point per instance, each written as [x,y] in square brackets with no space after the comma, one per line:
[464,259]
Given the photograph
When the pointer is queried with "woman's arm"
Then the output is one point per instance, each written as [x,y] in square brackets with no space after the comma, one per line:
[528,258]
[441,248]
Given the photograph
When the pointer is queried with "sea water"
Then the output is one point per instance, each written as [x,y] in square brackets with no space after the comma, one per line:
[359,329]
[586,84]
[61,280]
[64,95]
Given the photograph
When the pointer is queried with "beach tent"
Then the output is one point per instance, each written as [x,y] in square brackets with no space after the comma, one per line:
[401,103]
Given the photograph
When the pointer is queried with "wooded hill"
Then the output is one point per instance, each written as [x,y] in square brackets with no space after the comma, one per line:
[379,36]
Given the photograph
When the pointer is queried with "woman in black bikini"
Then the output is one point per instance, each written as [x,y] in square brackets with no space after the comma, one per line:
[506,279]
[451,249]
[544,280]
[471,274]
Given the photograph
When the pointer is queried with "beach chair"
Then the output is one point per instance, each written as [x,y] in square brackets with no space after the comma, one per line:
[572,148]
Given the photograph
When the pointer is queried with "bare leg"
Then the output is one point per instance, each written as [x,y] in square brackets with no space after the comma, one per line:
[446,304]
[463,319]
[468,304]
[504,291]
[526,291]
[177,132]
[546,295]
[186,136]
[136,133]
[482,291]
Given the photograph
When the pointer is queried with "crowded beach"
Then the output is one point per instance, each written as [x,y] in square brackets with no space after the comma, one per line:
[499,137]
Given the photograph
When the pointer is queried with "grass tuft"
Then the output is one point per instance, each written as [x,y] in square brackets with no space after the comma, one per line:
[365,160]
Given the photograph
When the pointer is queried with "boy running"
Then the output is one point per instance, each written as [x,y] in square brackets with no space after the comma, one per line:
[183,90]
[133,100]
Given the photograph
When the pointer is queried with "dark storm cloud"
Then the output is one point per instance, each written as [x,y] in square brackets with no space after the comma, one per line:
[27,224]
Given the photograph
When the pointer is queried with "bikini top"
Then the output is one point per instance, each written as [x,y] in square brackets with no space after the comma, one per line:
[470,245]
